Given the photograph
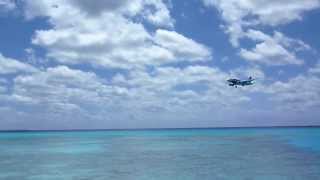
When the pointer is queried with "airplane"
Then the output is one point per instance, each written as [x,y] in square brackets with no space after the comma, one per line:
[237,82]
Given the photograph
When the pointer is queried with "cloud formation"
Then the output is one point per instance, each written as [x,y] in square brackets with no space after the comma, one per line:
[243,18]
[241,14]
[11,66]
[7,5]
[273,50]
[299,93]
[172,93]
[109,37]
[120,63]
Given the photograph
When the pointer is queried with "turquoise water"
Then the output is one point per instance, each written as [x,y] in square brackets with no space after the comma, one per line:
[190,154]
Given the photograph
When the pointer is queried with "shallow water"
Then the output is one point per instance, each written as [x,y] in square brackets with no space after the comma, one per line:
[190,154]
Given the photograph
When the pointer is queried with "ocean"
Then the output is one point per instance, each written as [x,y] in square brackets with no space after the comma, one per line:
[168,154]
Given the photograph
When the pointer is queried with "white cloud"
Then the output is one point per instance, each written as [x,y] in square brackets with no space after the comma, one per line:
[270,54]
[61,91]
[245,72]
[182,47]
[3,89]
[58,85]
[278,37]
[315,70]
[301,92]
[110,39]
[153,11]
[111,35]
[239,14]
[273,50]
[97,7]
[160,16]
[7,5]
[11,66]
[189,87]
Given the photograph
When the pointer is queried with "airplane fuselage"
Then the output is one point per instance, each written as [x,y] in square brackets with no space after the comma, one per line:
[237,82]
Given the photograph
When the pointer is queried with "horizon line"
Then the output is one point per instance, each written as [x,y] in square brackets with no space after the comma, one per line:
[141,129]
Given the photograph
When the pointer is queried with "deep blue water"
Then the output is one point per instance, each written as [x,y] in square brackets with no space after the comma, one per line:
[189,154]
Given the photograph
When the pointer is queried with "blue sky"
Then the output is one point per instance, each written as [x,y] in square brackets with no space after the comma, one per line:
[158,63]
